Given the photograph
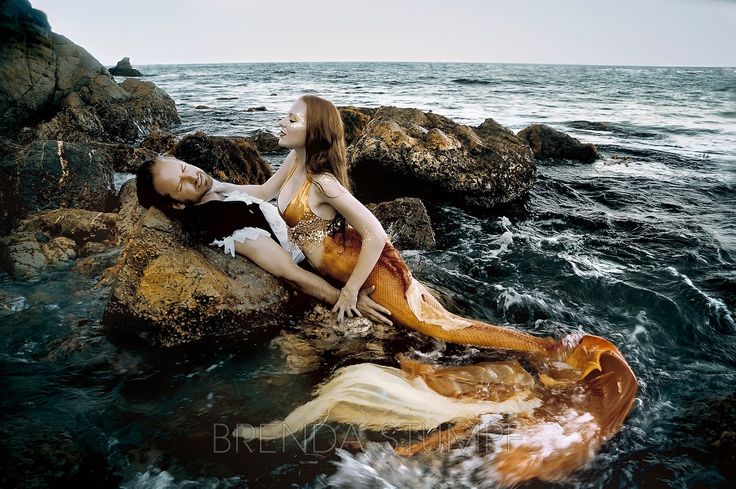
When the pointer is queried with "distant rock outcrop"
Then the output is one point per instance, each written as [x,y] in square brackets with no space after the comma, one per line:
[123,68]
[551,143]
[410,153]
[57,90]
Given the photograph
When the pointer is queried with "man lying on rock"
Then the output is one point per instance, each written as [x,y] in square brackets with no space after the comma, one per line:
[219,213]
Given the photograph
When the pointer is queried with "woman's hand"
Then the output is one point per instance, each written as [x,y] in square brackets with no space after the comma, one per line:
[346,305]
[371,309]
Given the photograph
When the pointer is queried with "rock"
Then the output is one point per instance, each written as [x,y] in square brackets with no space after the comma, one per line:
[406,222]
[232,159]
[410,153]
[319,334]
[59,91]
[256,109]
[80,225]
[354,120]
[267,143]
[202,107]
[123,68]
[53,174]
[159,141]
[21,255]
[93,248]
[168,293]
[59,251]
[551,143]
[94,264]
[130,213]
[53,238]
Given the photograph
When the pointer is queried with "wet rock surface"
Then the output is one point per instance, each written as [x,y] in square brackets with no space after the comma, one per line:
[58,90]
[547,142]
[354,120]
[410,153]
[169,293]
[54,174]
[232,159]
[267,143]
[406,222]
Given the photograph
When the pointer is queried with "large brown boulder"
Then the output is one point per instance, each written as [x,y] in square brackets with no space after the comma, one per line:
[58,89]
[232,159]
[53,174]
[354,120]
[551,143]
[406,222]
[410,153]
[169,293]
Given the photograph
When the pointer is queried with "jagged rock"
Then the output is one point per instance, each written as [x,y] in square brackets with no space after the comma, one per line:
[94,263]
[53,238]
[168,293]
[354,120]
[59,250]
[60,91]
[410,153]
[406,222]
[267,143]
[93,248]
[80,225]
[22,256]
[130,212]
[123,68]
[319,334]
[551,143]
[159,141]
[54,174]
[232,159]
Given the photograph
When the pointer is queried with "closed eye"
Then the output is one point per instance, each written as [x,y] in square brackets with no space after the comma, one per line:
[183,168]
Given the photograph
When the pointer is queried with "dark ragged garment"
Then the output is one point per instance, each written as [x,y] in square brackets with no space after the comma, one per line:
[217,219]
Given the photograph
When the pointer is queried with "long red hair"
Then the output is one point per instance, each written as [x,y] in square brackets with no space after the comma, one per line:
[325,141]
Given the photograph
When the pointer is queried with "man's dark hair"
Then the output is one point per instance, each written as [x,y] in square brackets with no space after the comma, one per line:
[201,223]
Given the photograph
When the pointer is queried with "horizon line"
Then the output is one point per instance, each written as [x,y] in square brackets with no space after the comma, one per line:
[429,62]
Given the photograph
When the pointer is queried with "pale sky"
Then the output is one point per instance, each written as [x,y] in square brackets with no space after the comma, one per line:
[614,32]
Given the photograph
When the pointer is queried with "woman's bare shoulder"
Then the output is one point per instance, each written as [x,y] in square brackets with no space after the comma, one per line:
[328,185]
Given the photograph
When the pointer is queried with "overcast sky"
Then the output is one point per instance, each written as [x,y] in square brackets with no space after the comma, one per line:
[618,32]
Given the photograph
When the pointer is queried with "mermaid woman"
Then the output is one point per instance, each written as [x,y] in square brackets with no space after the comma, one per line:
[583,389]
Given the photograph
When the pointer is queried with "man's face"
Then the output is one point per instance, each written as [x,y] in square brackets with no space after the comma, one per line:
[181,181]
[294,126]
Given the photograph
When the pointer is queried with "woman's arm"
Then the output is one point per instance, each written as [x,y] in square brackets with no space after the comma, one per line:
[374,239]
[271,257]
[265,191]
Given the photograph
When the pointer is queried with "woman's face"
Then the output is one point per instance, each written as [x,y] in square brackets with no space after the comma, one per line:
[185,183]
[294,126]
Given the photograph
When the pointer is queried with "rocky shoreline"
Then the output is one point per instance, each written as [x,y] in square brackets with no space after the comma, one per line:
[70,126]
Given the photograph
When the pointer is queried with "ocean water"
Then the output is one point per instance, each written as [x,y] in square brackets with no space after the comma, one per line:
[638,247]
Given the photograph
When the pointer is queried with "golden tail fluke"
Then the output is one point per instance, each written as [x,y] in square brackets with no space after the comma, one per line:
[567,432]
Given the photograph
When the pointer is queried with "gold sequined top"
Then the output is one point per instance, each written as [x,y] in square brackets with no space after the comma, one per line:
[306,229]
